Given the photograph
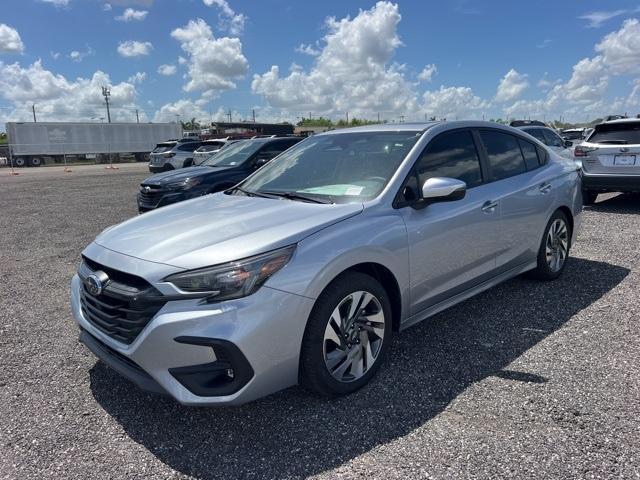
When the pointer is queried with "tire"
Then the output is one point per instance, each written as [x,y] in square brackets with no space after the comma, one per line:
[142,157]
[19,162]
[355,355]
[589,197]
[557,241]
[35,162]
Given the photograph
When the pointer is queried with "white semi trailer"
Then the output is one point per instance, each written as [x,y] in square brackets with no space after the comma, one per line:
[33,144]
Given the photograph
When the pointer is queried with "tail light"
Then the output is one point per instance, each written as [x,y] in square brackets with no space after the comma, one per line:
[583,151]
[169,155]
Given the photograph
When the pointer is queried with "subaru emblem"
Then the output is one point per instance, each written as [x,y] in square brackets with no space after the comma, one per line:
[96,282]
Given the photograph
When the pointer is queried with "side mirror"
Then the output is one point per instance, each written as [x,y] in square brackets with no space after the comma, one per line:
[442,189]
[568,144]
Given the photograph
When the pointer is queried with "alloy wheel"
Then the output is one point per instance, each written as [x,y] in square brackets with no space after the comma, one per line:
[353,336]
[557,244]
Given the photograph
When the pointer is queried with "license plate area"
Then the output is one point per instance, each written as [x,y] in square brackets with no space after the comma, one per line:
[624,160]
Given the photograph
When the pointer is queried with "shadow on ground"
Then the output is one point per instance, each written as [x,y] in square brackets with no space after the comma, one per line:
[294,434]
[624,203]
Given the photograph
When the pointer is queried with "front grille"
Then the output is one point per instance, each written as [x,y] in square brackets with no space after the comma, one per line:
[150,195]
[125,306]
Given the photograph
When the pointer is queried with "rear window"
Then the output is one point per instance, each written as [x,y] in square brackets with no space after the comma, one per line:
[163,147]
[210,147]
[616,133]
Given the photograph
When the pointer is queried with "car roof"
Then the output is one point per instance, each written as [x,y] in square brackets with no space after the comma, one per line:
[384,127]
[531,127]
[622,120]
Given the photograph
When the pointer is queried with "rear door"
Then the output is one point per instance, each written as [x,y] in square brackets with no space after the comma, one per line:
[617,149]
[519,183]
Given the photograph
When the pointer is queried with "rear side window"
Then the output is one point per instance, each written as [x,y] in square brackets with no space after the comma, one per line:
[188,147]
[616,133]
[553,140]
[453,155]
[530,153]
[537,133]
[503,151]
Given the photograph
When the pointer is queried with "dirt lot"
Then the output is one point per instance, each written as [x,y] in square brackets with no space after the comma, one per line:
[526,380]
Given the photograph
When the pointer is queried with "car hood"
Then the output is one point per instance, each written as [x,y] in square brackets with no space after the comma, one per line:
[173,176]
[220,228]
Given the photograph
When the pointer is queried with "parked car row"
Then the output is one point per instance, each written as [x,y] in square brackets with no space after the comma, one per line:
[303,271]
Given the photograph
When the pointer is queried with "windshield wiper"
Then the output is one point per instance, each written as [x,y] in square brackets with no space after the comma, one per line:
[249,194]
[295,196]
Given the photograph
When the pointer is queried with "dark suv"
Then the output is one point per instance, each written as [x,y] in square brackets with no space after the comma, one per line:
[219,172]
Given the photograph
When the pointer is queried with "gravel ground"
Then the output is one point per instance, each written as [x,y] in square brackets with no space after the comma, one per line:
[526,380]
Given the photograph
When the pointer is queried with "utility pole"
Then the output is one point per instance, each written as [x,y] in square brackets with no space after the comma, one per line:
[309,115]
[378,117]
[253,113]
[229,115]
[137,116]
[106,93]
[347,118]
[33,108]
[401,118]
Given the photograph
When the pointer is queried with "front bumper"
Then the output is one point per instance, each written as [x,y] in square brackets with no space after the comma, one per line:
[156,168]
[179,343]
[608,182]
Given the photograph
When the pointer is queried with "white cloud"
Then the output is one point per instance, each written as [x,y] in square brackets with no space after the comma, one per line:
[78,56]
[57,3]
[186,109]
[55,55]
[308,50]
[453,102]
[61,99]
[596,19]
[230,21]
[132,48]
[182,60]
[167,70]
[620,50]
[427,73]
[214,63]
[352,72]
[107,7]
[137,78]
[130,14]
[10,41]
[511,86]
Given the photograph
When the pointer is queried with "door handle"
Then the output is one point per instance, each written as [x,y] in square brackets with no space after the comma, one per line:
[489,206]
[544,188]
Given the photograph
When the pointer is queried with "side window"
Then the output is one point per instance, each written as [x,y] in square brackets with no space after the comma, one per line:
[188,147]
[553,140]
[537,133]
[530,153]
[503,151]
[451,154]
[272,150]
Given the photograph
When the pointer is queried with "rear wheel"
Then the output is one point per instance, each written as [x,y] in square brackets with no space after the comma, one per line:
[35,161]
[588,197]
[20,162]
[554,248]
[347,336]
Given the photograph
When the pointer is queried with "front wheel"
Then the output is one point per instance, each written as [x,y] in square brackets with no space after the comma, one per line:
[347,336]
[554,248]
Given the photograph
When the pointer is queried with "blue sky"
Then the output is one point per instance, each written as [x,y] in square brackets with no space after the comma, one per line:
[461,59]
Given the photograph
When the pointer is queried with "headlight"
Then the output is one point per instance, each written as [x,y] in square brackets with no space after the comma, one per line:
[185,184]
[234,279]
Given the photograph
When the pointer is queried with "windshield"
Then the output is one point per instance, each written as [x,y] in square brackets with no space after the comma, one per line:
[341,168]
[233,155]
[616,133]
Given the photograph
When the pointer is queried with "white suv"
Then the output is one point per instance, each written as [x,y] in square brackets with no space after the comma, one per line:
[173,154]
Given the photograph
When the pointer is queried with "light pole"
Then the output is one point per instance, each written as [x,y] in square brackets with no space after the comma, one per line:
[106,93]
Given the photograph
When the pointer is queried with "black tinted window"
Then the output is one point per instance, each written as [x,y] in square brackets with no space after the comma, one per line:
[553,140]
[505,157]
[537,132]
[189,147]
[616,133]
[530,153]
[451,155]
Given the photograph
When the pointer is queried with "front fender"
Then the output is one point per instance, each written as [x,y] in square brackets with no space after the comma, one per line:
[366,238]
